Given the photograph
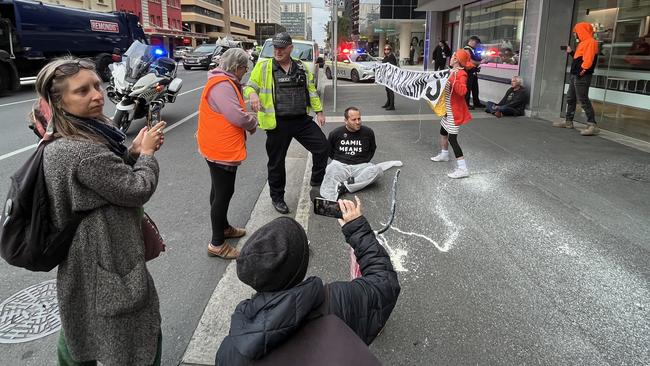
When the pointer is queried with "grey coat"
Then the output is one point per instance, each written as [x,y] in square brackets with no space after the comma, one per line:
[107,299]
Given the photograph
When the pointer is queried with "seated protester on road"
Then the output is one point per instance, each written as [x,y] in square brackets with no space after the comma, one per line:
[88,168]
[274,262]
[513,103]
[351,148]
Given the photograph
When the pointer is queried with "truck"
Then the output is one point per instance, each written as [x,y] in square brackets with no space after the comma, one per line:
[33,33]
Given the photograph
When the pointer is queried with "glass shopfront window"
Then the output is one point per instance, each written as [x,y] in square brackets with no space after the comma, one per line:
[620,88]
[499,25]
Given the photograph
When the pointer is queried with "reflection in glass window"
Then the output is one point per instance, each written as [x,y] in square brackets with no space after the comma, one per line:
[499,25]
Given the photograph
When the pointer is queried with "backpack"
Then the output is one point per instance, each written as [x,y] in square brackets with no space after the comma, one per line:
[28,237]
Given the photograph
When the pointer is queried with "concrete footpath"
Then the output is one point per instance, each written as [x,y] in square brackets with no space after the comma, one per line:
[539,257]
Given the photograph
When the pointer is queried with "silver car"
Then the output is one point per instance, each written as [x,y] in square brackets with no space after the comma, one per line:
[354,66]
[181,51]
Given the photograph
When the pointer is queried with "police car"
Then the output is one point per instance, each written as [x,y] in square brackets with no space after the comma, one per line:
[306,51]
[356,66]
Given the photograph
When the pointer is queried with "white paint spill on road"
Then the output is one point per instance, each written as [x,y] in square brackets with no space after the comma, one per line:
[397,255]
[440,247]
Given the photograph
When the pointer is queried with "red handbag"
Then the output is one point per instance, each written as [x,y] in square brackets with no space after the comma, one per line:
[153,242]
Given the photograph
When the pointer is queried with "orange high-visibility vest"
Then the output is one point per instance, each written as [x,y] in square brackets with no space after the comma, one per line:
[217,138]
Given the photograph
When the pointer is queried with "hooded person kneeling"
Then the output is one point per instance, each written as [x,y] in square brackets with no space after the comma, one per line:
[292,320]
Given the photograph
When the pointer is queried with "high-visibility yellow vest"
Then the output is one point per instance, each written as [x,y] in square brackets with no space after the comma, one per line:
[261,82]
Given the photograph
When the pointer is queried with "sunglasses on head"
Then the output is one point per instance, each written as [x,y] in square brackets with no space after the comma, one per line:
[74,67]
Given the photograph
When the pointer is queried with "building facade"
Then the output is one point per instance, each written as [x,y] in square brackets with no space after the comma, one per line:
[259,11]
[213,19]
[297,19]
[523,37]
[160,19]
[351,11]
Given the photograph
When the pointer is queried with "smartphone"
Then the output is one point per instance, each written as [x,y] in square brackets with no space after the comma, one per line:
[327,208]
[563,48]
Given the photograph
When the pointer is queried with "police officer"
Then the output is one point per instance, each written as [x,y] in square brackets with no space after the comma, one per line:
[282,92]
[472,74]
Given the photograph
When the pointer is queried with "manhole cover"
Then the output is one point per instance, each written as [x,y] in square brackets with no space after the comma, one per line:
[30,314]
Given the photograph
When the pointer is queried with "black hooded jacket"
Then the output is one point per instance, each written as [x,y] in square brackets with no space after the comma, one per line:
[267,320]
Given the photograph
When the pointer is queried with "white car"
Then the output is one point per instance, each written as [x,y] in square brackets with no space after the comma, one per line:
[306,51]
[353,66]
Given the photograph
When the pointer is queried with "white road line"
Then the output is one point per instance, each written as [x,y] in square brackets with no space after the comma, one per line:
[26,148]
[19,102]
[189,91]
[181,121]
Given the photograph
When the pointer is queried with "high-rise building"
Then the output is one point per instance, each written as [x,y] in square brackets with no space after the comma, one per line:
[351,12]
[296,17]
[259,11]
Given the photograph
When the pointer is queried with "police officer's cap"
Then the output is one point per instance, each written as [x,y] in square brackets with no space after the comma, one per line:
[282,40]
[475,38]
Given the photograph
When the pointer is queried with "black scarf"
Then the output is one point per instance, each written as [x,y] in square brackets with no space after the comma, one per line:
[113,136]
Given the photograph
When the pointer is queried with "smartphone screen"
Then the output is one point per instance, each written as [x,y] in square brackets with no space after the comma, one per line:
[327,208]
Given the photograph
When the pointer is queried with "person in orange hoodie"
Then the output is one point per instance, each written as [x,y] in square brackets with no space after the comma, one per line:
[582,68]
[457,113]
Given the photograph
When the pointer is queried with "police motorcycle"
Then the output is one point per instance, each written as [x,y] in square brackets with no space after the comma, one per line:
[141,84]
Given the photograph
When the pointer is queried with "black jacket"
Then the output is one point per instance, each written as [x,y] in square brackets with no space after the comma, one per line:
[390,59]
[515,99]
[267,320]
[441,54]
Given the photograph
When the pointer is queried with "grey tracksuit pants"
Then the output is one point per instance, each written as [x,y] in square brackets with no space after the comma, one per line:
[364,174]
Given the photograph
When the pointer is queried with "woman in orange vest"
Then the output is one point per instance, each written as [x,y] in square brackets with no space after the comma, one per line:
[221,136]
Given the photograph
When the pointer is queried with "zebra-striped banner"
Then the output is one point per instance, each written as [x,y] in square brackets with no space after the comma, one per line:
[412,84]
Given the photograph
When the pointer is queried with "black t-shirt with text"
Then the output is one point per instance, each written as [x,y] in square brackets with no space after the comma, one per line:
[352,147]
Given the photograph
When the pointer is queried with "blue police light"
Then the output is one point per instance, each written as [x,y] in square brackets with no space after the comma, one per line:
[361,50]
[158,52]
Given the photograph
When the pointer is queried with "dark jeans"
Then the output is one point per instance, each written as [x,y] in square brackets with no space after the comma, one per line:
[579,92]
[453,141]
[223,187]
[390,98]
[440,65]
[472,87]
[506,111]
[309,135]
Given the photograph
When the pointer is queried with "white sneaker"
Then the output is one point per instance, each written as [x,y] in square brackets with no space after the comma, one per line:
[458,173]
[440,157]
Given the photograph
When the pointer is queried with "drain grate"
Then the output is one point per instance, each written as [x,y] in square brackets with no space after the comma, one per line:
[30,314]
[636,177]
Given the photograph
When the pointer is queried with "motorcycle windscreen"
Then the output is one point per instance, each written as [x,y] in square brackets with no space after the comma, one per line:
[139,57]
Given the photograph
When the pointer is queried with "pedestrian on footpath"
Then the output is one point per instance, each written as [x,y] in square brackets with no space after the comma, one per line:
[457,113]
[107,299]
[584,62]
[274,262]
[472,74]
[441,54]
[282,92]
[389,57]
[221,136]
[352,146]
[513,102]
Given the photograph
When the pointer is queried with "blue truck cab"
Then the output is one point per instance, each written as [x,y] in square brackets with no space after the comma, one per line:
[33,33]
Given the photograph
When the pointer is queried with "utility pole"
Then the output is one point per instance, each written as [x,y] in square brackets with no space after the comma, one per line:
[334,52]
